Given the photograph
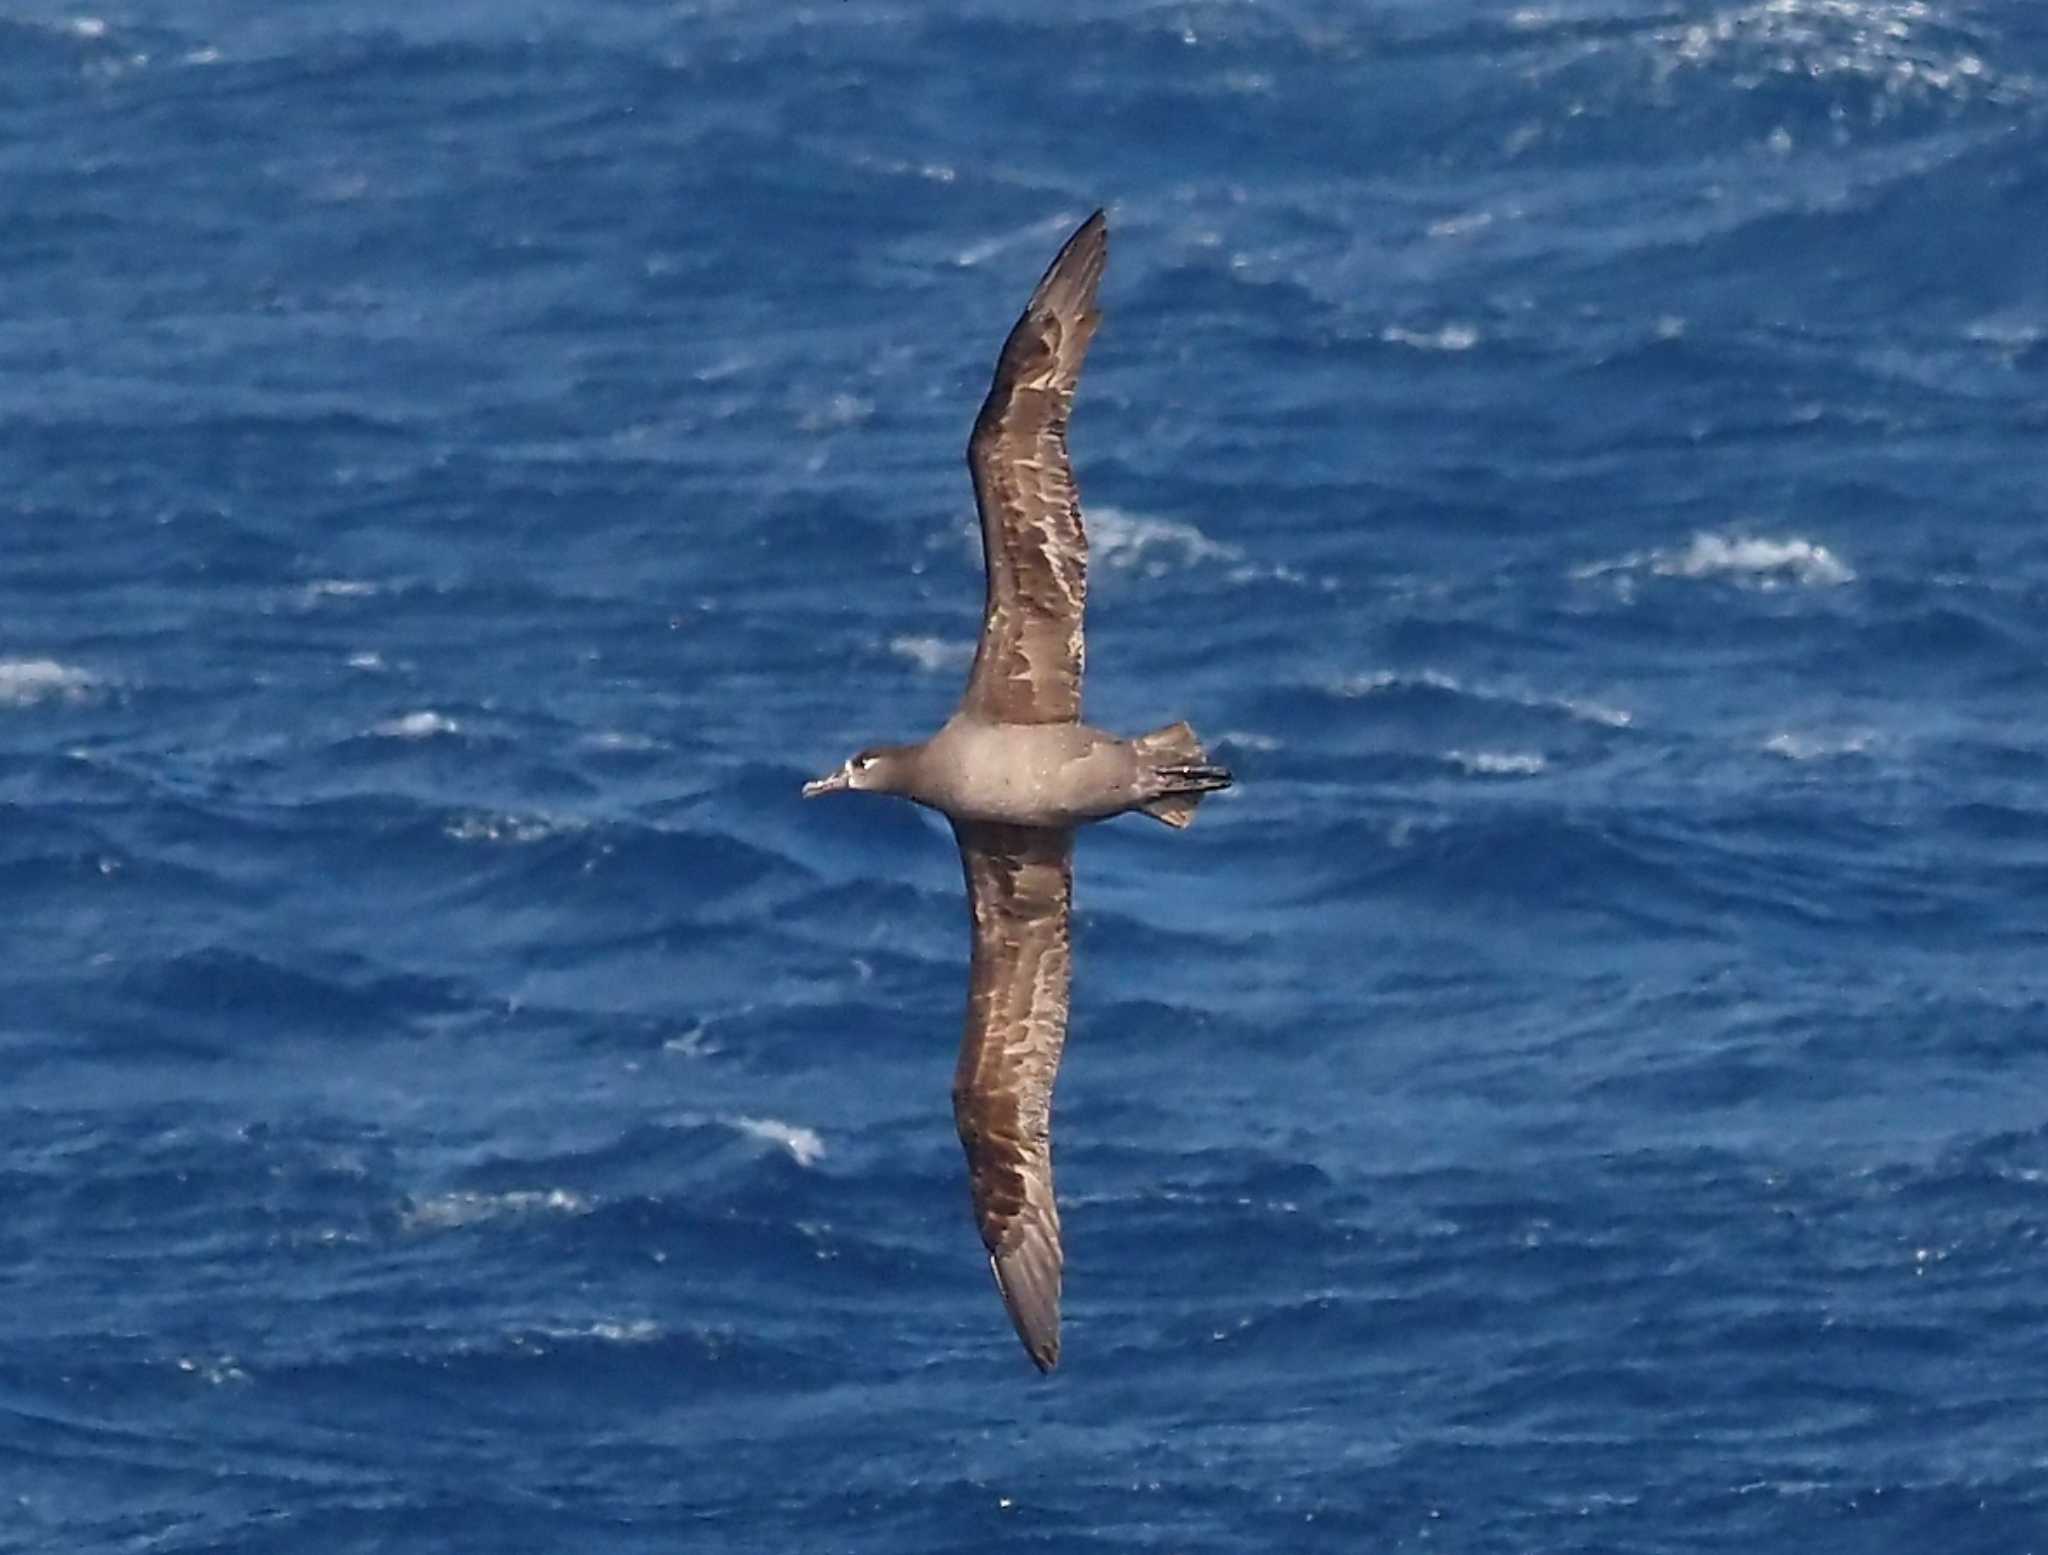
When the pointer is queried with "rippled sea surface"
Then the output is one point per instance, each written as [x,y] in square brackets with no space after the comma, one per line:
[465,465]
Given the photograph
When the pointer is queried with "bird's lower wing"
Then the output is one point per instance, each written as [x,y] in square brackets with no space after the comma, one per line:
[1020,892]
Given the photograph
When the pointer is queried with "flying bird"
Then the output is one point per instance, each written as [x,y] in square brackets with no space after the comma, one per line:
[1015,770]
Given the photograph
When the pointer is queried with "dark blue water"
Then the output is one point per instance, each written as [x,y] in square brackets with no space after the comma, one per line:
[464,465]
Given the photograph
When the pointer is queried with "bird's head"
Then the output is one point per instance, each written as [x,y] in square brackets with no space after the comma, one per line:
[878,770]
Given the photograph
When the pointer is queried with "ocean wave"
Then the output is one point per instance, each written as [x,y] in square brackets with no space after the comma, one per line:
[30,682]
[423,725]
[338,588]
[1750,561]
[1386,683]
[933,654]
[803,1144]
[1794,746]
[1121,539]
[516,829]
[1448,337]
[447,1211]
[1248,740]
[1499,763]
[1898,49]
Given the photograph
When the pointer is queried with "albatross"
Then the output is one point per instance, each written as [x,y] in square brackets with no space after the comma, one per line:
[1016,771]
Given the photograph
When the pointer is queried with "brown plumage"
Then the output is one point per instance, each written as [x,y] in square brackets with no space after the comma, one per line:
[1027,669]
[1016,771]
[1020,892]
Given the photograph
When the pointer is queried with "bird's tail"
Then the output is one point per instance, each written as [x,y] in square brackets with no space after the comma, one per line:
[1177,772]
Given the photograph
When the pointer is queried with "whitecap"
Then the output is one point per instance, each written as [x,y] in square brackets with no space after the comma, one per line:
[638,1330]
[422,725]
[1452,337]
[932,654]
[445,1210]
[620,740]
[1753,561]
[840,410]
[1245,739]
[1595,712]
[216,1370]
[338,588]
[1499,763]
[1899,44]
[27,682]
[1754,558]
[978,253]
[803,1144]
[1458,226]
[1794,746]
[2007,335]
[1387,680]
[694,1043]
[1579,708]
[1121,539]
[510,828]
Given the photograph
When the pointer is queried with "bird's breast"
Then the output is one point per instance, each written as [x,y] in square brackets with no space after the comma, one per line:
[1027,774]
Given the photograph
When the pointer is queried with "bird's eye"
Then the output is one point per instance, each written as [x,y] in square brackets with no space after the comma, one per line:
[862,762]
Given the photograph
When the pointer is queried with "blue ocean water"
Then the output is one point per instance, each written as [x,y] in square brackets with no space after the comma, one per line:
[1581,464]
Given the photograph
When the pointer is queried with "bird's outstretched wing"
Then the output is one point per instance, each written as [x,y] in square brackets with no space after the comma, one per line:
[1027,668]
[1020,887]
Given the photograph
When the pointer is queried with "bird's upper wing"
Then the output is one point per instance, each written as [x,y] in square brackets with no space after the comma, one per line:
[1027,668]
[1020,887]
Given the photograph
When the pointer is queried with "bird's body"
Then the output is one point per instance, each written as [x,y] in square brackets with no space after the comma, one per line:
[1016,771]
[1057,775]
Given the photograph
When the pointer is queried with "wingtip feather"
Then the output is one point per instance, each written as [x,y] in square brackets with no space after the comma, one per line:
[1031,1292]
[1069,283]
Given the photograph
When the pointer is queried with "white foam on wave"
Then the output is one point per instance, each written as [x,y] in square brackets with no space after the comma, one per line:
[1902,45]
[1386,680]
[27,682]
[619,740]
[1794,746]
[1451,337]
[803,1144]
[1753,561]
[339,588]
[697,1042]
[1592,712]
[1766,562]
[932,654]
[1352,686]
[1051,227]
[1499,763]
[423,725]
[834,412]
[515,829]
[637,1330]
[1246,739]
[1121,539]
[1458,226]
[2006,335]
[216,1370]
[446,1210]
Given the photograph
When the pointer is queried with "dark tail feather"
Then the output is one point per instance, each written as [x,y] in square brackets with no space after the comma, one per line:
[1180,773]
